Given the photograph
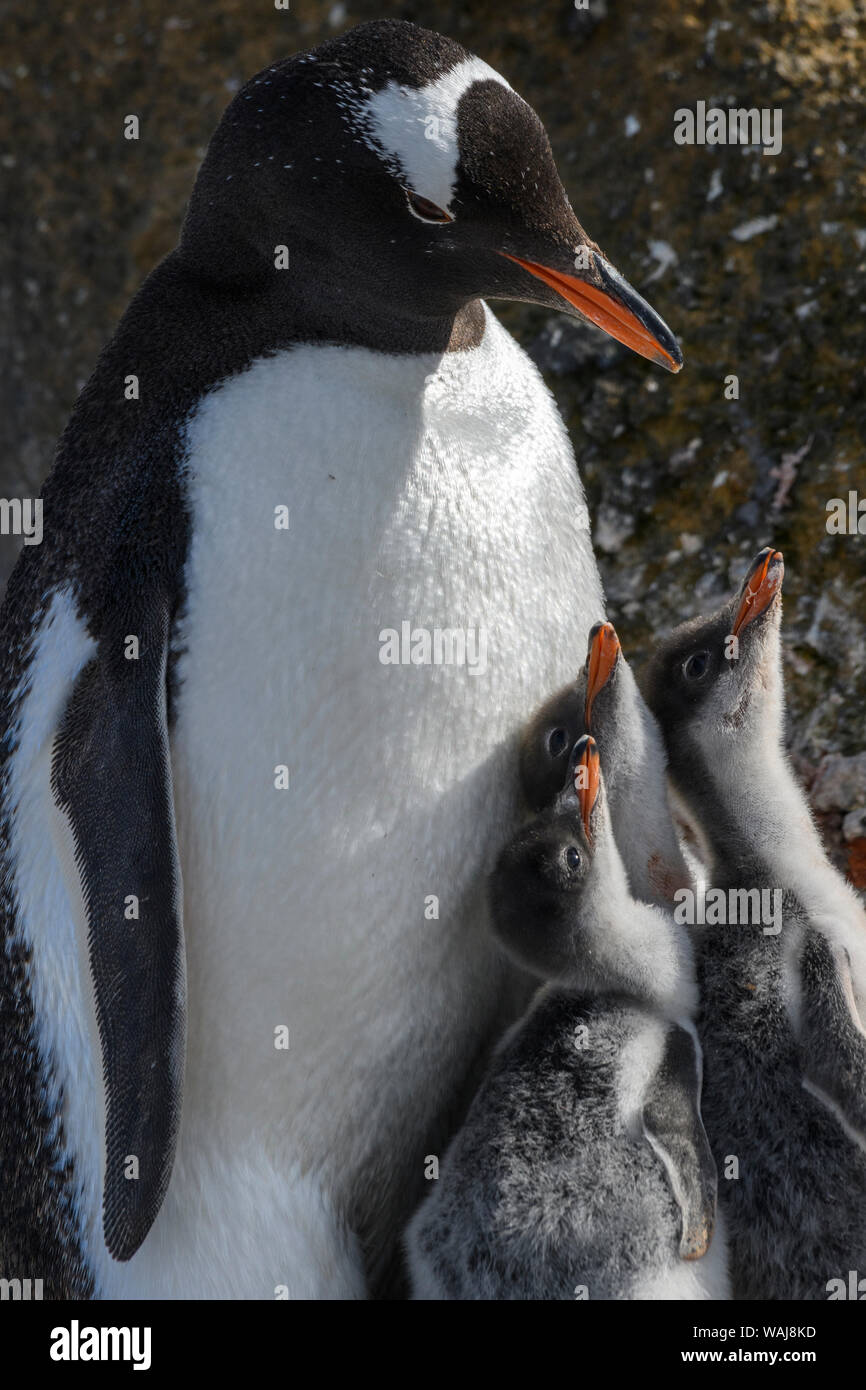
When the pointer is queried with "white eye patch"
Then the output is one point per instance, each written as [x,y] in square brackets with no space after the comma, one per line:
[416,128]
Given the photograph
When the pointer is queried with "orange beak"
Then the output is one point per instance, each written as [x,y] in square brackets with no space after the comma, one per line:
[617,308]
[761,588]
[587,780]
[604,652]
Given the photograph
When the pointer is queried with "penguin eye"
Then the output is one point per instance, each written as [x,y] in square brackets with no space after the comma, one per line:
[572,859]
[557,742]
[695,666]
[427,211]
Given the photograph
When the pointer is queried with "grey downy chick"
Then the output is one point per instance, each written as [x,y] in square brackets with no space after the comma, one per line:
[582,1169]
[781,991]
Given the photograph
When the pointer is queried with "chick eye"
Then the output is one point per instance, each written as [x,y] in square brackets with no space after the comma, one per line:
[557,742]
[427,211]
[695,666]
[572,859]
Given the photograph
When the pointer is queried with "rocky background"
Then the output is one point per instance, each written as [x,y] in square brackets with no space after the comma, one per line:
[757,262]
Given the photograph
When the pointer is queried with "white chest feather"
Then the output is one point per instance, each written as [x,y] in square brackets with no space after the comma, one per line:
[444,496]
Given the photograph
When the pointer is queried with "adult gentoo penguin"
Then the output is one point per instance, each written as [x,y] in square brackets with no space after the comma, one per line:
[583,1169]
[780,959]
[227,817]
[605,701]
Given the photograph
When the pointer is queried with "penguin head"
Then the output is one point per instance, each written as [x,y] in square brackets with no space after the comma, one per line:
[595,703]
[548,872]
[605,702]
[548,741]
[402,175]
[562,908]
[715,684]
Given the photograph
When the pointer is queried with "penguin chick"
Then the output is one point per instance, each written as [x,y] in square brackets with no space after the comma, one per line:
[583,1169]
[785,1054]
[605,701]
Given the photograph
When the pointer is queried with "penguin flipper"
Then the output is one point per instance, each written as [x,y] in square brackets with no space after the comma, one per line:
[832,1040]
[111,775]
[673,1125]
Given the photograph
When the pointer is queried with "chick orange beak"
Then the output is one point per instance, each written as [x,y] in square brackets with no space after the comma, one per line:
[603,654]
[613,306]
[587,779]
[762,585]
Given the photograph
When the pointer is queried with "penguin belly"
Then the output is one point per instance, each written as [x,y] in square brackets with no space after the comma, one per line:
[348,907]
